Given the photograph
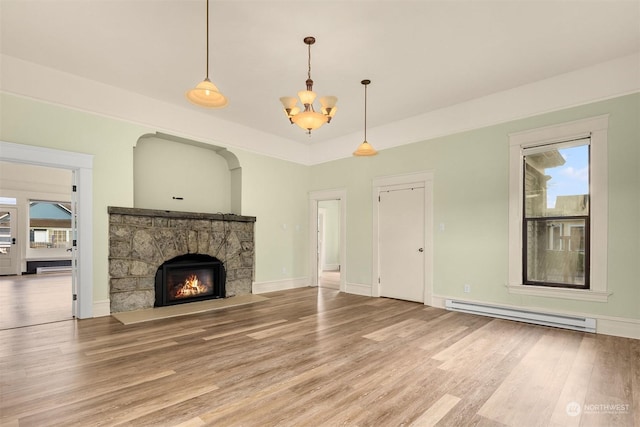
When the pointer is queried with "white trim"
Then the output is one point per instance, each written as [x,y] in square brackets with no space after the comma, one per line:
[607,325]
[82,164]
[82,94]
[562,293]
[279,285]
[606,80]
[395,182]
[339,194]
[102,308]
[596,128]
[618,326]
[598,82]
[358,289]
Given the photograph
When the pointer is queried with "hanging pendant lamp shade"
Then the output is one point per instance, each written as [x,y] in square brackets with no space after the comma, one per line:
[365,149]
[206,94]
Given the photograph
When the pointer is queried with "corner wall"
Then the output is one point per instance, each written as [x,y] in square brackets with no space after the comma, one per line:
[471,209]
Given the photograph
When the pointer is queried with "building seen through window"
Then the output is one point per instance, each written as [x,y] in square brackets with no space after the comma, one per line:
[49,224]
[556,215]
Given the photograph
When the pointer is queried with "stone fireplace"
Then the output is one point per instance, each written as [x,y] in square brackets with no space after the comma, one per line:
[141,241]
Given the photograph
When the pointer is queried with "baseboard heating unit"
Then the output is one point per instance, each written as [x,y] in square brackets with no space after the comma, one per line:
[584,324]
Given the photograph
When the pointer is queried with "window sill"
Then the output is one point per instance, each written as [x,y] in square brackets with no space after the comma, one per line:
[564,293]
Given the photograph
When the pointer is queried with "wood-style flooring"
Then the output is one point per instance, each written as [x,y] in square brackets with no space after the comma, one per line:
[329,279]
[32,299]
[317,357]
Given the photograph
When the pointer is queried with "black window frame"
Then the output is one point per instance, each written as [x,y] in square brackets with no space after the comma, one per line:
[587,232]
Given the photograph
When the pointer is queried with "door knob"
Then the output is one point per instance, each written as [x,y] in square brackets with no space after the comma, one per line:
[420,250]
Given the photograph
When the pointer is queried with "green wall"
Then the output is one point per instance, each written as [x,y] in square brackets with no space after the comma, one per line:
[471,200]
[25,121]
[274,191]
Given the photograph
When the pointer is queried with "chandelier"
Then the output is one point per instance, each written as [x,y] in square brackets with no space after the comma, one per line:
[206,94]
[365,149]
[309,119]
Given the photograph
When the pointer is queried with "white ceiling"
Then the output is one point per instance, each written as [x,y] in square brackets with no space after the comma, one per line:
[421,56]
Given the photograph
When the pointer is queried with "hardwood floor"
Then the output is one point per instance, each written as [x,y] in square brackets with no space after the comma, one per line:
[34,299]
[329,279]
[317,357]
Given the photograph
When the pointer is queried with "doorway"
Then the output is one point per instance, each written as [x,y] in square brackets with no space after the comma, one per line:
[329,268]
[81,166]
[328,239]
[36,281]
[403,239]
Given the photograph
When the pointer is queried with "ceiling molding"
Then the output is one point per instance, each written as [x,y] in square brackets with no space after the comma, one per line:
[602,81]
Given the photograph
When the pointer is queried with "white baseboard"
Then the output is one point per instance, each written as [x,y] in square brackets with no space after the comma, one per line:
[607,325]
[618,326]
[102,308]
[331,267]
[358,289]
[279,285]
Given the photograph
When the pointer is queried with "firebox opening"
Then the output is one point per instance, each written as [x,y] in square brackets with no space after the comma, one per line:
[189,278]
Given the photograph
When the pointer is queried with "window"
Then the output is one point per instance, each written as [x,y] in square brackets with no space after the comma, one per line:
[49,224]
[558,211]
[556,214]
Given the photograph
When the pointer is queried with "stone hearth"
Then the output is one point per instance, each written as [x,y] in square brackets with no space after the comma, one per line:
[140,240]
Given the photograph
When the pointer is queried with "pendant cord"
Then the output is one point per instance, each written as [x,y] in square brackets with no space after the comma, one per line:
[365,113]
[207,39]
[309,63]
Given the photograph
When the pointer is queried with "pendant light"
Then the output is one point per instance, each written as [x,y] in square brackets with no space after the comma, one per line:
[206,94]
[365,149]
[309,119]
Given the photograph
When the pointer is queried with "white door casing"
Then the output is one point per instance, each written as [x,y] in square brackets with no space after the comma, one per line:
[82,165]
[395,182]
[314,198]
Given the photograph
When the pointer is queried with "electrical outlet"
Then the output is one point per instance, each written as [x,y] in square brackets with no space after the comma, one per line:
[467,288]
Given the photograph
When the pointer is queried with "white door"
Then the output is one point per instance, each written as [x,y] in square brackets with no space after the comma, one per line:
[8,248]
[401,243]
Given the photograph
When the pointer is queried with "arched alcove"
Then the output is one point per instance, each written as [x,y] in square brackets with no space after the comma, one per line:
[179,174]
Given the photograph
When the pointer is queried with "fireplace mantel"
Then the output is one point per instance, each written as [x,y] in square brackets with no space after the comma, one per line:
[140,240]
[155,213]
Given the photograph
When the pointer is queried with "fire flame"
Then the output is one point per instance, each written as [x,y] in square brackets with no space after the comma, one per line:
[192,286]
